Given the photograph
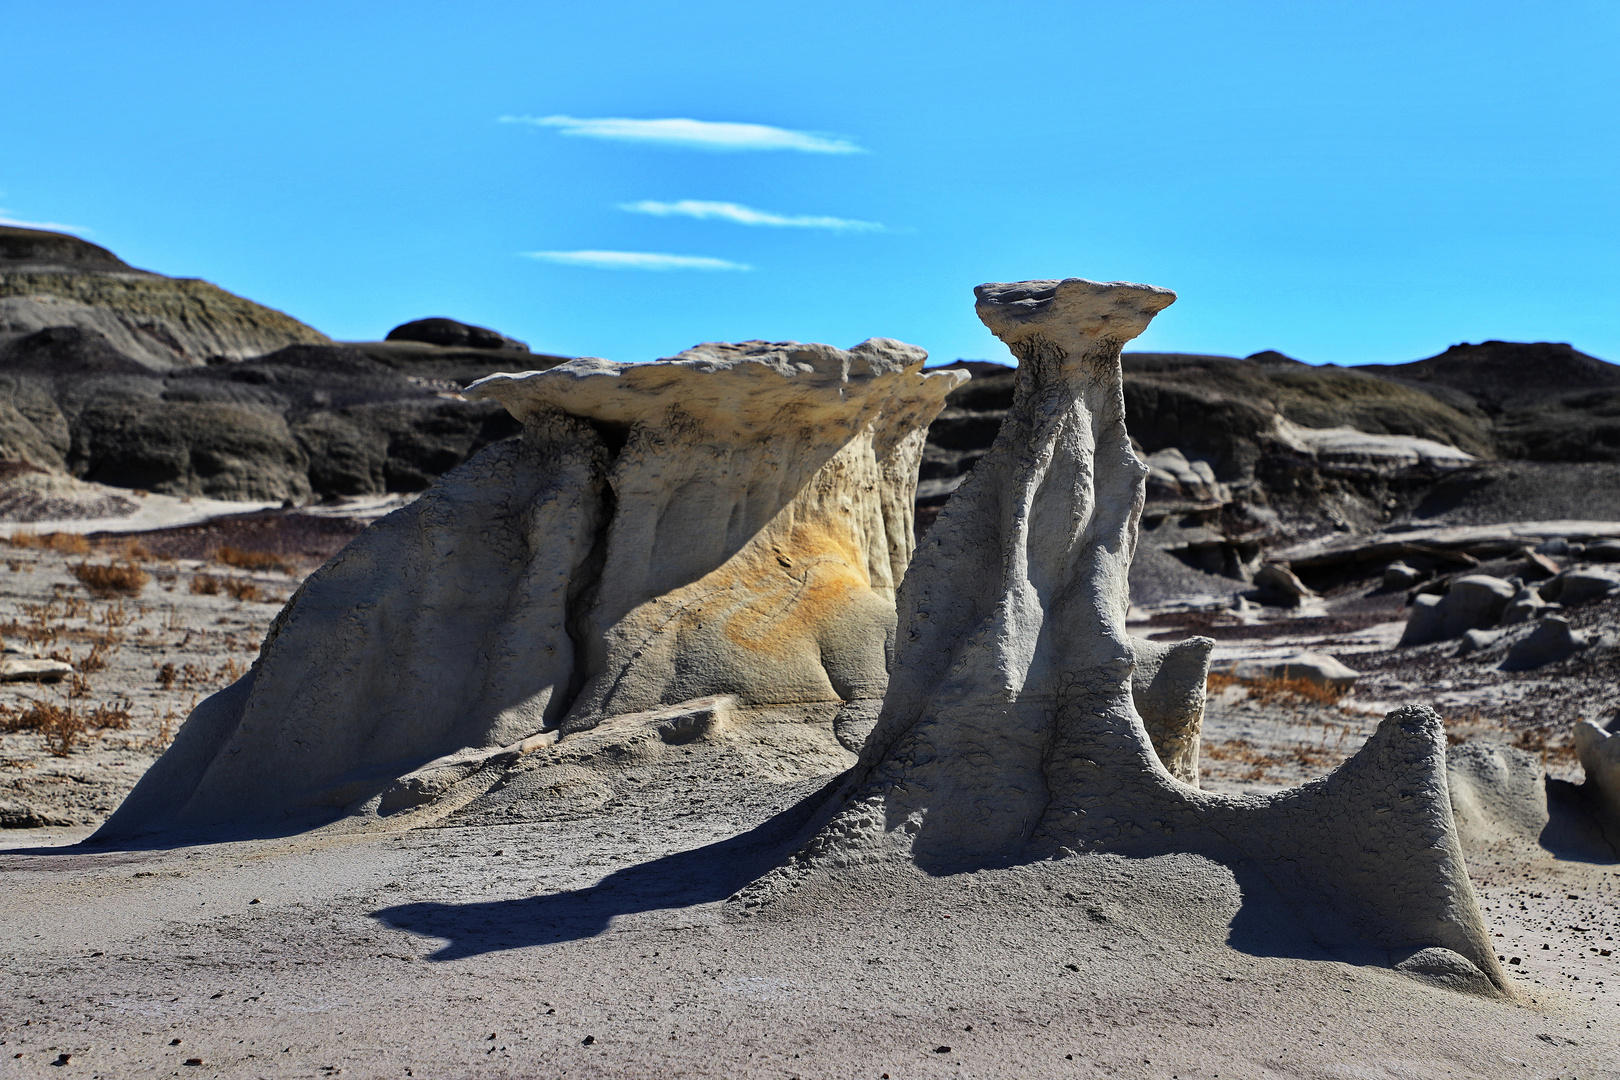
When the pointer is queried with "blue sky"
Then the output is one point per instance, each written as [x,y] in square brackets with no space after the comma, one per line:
[1346,182]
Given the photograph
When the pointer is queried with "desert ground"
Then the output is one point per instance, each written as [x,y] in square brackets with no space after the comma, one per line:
[603,944]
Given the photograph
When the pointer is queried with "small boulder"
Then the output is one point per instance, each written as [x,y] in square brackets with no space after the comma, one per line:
[1583,584]
[1473,602]
[1170,471]
[1551,640]
[1603,551]
[1475,640]
[1277,578]
[1527,605]
[1397,575]
[15,668]
[1599,752]
[1314,667]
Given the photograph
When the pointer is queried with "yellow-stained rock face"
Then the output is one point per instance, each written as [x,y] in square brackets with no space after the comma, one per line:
[731,522]
[762,519]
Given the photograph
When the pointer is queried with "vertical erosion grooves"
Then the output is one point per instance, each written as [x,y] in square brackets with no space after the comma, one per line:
[1011,729]
[733,521]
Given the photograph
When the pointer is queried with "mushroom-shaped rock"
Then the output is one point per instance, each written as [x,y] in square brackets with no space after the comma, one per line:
[1009,731]
[763,508]
[730,522]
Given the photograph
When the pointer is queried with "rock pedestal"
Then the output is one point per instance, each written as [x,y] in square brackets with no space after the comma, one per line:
[729,522]
[1009,732]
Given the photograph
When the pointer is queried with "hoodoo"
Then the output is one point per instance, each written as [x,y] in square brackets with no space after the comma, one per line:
[728,523]
[1010,733]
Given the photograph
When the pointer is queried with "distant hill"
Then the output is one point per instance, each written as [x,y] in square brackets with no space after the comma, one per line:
[50,279]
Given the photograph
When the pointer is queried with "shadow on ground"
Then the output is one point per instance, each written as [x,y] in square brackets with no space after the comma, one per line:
[685,879]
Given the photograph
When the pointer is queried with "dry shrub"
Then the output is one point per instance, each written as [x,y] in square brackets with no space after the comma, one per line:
[231,670]
[132,551]
[193,676]
[245,559]
[110,717]
[117,615]
[164,735]
[59,726]
[1267,691]
[205,585]
[43,626]
[78,687]
[66,543]
[111,579]
[243,589]
[1241,750]
[94,660]
[1539,740]
[167,675]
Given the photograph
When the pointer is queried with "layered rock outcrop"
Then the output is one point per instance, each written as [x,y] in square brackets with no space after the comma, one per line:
[1009,732]
[732,521]
[52,280]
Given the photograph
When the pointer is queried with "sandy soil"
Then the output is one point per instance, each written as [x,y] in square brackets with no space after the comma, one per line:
[603,943]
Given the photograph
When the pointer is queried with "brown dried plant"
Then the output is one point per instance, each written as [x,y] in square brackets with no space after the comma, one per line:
[107,580]
[1267,691]
[94,660]
[246,559]
[243,590]
[60,727]
[113,716]
[204,585]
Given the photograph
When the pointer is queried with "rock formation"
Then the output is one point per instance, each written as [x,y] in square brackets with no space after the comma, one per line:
[733,521]
[305,421]
[450,334]
[1009,731]
[54,280]
[1599,752]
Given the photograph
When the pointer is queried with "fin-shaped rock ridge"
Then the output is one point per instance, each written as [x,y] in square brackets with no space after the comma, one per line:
[733,521]
[1009,732]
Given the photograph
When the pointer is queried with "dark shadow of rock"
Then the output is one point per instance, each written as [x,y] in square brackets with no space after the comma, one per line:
[1577,827]
[685,879]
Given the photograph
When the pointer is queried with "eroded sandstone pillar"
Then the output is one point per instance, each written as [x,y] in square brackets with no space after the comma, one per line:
[1009,731]
[731,522]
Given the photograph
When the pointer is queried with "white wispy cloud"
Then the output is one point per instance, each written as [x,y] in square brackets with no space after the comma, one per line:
[49,226]
[699,134]
[634,260]
[746,215]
